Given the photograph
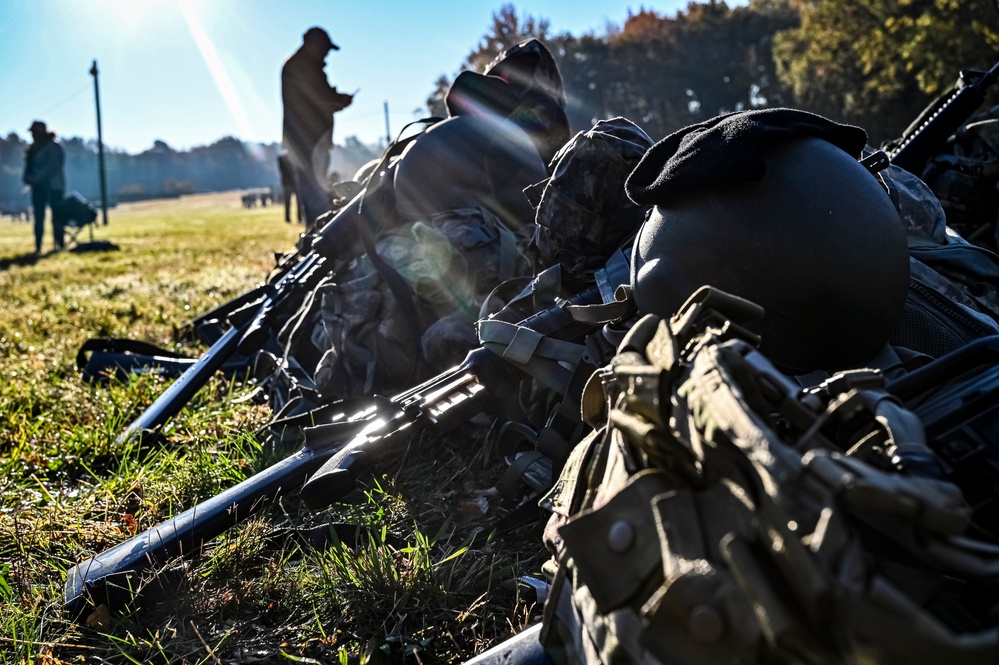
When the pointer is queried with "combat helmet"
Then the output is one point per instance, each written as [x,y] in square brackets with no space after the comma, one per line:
[582,213]
[773,206]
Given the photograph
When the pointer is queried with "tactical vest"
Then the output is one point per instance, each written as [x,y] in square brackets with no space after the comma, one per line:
[720,514]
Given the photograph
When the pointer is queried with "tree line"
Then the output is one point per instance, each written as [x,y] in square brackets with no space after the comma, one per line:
[161,171]
[872,63]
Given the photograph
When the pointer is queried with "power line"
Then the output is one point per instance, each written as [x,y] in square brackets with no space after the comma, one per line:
[65,101]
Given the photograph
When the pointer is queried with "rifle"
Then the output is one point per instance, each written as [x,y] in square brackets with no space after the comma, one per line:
[524,648]
[252,316]
[927,133]
[443,402]
[957,399]
[210,326]
[252,322]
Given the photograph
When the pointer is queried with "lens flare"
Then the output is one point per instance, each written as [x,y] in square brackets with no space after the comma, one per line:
[217,69]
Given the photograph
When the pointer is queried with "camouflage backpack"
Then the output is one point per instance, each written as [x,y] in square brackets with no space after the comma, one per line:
[352,337]
[953,284]
[581,210]
[721,514]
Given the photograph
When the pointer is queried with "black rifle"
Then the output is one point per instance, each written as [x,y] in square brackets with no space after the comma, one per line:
[340,448]
[928,133]
[253,322]
[957,399]
[521,649]
[350,231]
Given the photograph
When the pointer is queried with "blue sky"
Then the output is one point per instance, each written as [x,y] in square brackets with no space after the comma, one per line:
[189,72]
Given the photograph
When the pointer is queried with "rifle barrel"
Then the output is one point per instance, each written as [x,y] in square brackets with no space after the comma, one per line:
[173,399]
[112,575]
[442,401]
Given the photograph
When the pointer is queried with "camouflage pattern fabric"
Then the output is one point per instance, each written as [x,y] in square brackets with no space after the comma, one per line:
[352,338]
[721,515]
[582,209]
[953,285]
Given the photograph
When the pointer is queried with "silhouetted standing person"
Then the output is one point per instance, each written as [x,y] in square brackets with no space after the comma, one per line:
[309,104]
[44,172]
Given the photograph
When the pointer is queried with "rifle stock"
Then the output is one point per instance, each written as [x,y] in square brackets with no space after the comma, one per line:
[340,450]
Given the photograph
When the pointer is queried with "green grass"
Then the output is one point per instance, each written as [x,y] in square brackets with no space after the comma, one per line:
[405,585]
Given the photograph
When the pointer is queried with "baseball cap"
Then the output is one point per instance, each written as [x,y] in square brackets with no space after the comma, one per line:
[320,37]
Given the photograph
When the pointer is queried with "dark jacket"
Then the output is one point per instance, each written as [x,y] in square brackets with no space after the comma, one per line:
[309,104]
[44,164]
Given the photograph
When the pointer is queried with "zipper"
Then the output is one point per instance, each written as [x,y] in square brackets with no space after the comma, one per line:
[938,301]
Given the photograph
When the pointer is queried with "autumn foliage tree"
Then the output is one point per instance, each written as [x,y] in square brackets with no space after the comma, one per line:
[875,63]
[667,72]
[661,72]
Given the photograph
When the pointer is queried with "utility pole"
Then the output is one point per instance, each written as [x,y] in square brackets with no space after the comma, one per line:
[100,147]
[388,133]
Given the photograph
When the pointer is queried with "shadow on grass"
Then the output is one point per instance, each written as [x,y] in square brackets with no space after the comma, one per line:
[31,258]
[21,260]
[95,246]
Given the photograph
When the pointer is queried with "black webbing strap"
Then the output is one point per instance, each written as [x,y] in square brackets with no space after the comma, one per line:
[101,358]
[122,345]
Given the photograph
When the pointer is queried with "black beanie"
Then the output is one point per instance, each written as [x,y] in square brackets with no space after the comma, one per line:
[728,150]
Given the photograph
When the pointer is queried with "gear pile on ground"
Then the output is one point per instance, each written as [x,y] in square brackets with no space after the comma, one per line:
[752,489]
[453,223]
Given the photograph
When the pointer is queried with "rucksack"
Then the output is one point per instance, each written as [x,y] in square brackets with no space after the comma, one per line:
[964,176]
[351,337]
[953,293]
[719,513]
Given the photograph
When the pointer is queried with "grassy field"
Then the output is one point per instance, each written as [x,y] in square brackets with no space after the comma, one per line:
[410,590]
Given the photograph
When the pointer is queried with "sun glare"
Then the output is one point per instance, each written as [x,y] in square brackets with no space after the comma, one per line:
[127,16]
[218,71]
